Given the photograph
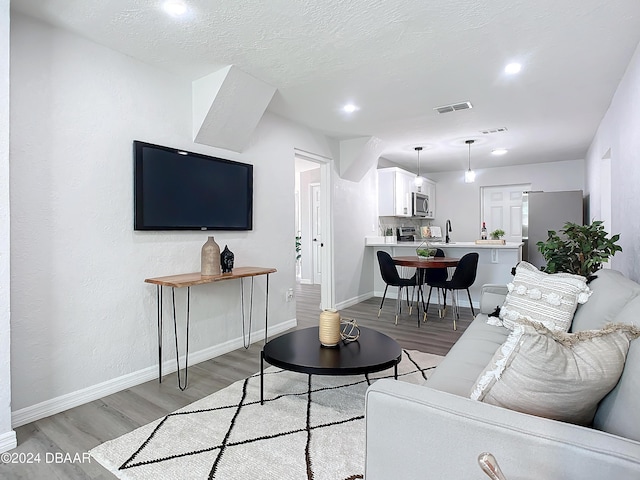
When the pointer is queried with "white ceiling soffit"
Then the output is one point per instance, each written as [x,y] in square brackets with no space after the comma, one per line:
[396,60]
[227,106]
[358,155]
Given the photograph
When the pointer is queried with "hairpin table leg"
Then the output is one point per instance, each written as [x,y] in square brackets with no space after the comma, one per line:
[159,300]
[246,337]
[262,377]
[175,331]
[266,312]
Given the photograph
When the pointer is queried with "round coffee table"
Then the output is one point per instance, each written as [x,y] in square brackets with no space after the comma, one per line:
[300,351]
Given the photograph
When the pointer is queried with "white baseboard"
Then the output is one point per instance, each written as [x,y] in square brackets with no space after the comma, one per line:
[8,441]
[94,392]
[392,292]
[352,301]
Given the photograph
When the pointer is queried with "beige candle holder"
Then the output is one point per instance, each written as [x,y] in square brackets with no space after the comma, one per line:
[329,328]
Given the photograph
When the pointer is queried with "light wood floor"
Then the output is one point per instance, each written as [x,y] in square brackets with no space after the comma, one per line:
[79,429]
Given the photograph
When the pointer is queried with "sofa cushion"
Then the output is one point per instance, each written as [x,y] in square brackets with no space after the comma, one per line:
[550,299]
[618,412]
[472,352]
[492,296]
[611,292]
[554,374]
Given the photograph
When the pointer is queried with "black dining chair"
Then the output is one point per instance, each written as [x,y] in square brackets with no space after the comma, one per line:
[390,275]
[462,278]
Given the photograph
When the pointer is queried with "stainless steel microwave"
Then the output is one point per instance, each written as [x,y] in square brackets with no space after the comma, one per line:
[420,205]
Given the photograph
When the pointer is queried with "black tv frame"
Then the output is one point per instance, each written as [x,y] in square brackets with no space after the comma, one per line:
[139,206]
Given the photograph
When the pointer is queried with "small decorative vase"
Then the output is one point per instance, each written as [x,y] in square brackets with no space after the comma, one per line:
[226,260]
[210,259]
[329,328]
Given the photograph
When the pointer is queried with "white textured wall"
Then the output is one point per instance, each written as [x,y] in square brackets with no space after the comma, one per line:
[7,437]
[460,202]
[355,209]
[81,312]
[619,132]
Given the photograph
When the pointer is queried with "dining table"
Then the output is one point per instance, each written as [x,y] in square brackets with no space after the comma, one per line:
[420,264]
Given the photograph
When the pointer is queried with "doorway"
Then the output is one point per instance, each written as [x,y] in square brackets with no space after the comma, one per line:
[605,196]
[313,224]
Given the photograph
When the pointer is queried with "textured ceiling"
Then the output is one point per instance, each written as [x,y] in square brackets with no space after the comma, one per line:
[396,60]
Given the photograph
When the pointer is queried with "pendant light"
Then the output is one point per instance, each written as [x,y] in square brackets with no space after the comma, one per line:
[418,180]
[469,175]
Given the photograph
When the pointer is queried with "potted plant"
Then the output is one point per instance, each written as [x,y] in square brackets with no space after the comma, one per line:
[298,247]
[497,234]
[579,249]
[425,250]
[388,235]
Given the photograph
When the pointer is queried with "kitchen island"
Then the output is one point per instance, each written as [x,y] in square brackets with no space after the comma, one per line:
[494,263]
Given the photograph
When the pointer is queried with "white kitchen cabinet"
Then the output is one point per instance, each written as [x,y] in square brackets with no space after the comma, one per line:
[394,192]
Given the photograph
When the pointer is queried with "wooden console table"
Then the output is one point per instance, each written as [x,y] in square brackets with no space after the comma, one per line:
[189,280]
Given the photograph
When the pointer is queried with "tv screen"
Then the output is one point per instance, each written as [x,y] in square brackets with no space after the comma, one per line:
[178,190]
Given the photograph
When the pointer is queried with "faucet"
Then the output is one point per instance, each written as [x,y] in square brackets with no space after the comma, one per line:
[447,229]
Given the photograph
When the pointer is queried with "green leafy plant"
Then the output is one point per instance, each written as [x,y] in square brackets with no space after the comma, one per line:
[497,234]
[579,249]
[389,232]
[426,252]
[298,247]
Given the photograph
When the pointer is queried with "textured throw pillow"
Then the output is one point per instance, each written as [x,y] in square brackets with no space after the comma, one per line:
[550,299]
[554,374]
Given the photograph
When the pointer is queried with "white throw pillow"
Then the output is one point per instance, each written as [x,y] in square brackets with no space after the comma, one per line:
[555,374]
[550,299]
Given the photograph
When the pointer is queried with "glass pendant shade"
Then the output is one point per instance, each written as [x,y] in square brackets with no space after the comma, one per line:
[469,176]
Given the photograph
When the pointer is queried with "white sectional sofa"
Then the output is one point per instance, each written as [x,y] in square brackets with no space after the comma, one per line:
[436,431]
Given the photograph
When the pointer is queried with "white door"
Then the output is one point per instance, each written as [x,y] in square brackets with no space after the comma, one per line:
[316,232]
[502,209]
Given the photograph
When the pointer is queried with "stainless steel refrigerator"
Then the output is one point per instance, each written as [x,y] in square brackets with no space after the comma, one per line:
[544,211]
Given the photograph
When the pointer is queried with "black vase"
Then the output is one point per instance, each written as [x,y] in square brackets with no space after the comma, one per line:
[226,260]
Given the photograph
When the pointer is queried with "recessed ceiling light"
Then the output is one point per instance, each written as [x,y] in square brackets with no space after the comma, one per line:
[182,152]
[175,8]
[350,108]
[499,151]
[512,68]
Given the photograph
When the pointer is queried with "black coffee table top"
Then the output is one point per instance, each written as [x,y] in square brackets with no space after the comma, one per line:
[300,351]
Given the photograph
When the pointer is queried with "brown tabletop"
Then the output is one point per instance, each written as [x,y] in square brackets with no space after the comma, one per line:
[422,262]
[190,279]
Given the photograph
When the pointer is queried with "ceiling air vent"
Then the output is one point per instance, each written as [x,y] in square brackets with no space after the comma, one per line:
[494,130]
[454,107]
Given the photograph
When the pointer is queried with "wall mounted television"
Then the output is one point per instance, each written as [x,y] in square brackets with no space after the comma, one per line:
[179,190]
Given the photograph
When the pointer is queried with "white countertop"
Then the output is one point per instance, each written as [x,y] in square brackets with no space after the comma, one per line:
[375,242]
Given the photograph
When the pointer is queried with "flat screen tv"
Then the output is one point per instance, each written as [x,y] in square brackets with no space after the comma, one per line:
[178,190]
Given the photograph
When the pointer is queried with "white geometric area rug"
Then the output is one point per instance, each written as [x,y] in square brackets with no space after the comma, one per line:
[310,427]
